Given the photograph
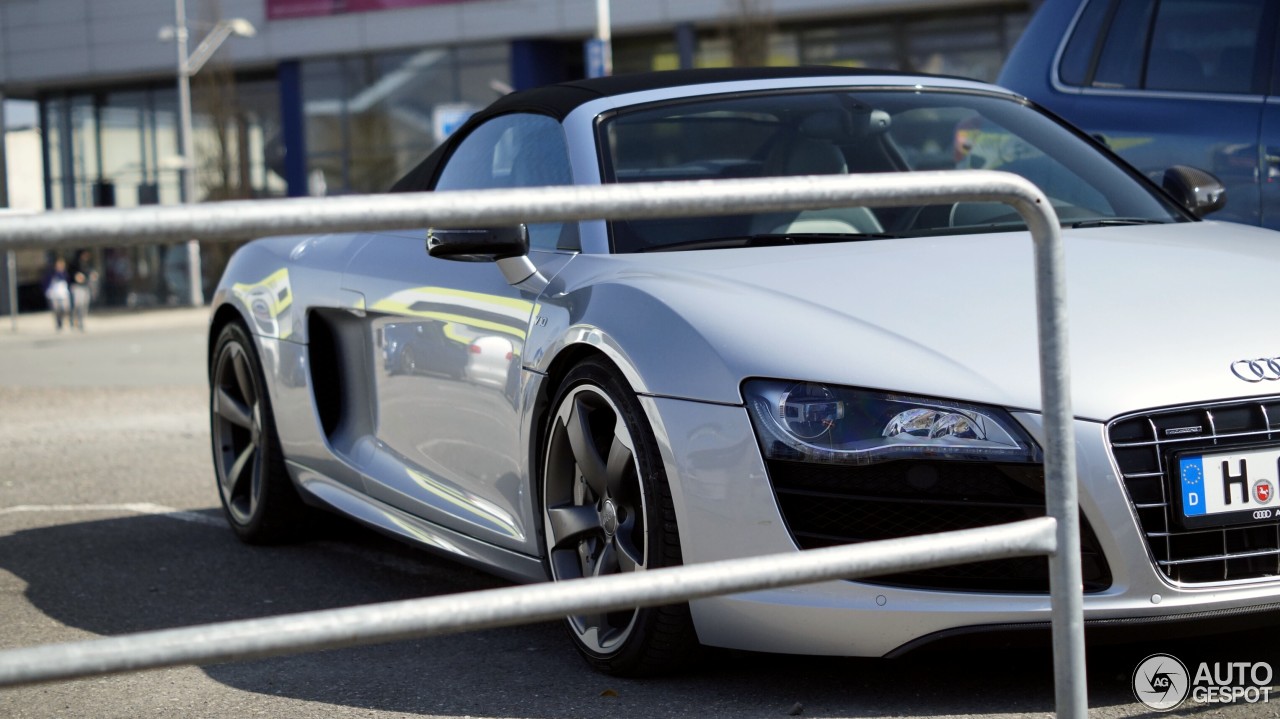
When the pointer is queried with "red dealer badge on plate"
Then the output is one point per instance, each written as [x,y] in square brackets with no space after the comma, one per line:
[1262,490]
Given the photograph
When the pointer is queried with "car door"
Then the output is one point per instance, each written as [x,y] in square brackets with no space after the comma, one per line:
[445,341]
[1168,82]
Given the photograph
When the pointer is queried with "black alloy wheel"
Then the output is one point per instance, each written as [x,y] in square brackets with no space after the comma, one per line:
[607,509]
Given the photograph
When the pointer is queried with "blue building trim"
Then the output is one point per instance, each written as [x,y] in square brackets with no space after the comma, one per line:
[686,44]
[535,63]
[45,165]
[293,127]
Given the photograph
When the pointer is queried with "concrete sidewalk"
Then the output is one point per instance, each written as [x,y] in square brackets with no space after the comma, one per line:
[41,325]
[146,348]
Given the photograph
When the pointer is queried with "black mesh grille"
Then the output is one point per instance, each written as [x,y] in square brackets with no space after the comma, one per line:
[1144,445]
[825,505]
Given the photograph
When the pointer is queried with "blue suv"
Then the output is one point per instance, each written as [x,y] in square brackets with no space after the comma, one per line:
[1166,82]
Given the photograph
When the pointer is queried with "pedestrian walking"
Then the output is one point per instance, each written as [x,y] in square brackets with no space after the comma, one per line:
[57,290]
[83,277]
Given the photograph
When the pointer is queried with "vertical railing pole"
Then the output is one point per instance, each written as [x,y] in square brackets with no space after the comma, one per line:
[1061,495]
[11,274]
[186,141]
[10,260]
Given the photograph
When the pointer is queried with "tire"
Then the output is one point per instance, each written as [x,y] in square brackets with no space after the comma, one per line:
[408,361]
[606,508]
[258,497]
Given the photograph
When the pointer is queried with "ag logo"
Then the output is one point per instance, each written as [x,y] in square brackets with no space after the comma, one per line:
[1161,682]
[1262,491]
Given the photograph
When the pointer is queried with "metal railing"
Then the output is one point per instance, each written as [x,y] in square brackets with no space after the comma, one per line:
[1056,535]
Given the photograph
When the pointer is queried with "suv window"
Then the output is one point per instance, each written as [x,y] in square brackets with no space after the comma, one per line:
[517,150]
[1079,56]
[1179,45]
[1120,62]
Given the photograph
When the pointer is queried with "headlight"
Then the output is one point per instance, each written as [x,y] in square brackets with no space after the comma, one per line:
[806,421]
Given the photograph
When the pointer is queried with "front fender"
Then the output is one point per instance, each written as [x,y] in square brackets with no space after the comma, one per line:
[256,284]
[658,351]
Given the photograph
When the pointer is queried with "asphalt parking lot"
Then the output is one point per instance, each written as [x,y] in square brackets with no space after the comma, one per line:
[109,524]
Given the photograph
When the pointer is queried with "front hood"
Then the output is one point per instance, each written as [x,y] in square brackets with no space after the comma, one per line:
[1157,314]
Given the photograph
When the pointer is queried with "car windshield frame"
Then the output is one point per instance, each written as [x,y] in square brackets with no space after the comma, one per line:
[1062,147]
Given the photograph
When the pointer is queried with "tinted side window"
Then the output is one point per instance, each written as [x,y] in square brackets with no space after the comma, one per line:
[1120,64]
[1179,45]
[1205,45]
[518,150]
[1078,56]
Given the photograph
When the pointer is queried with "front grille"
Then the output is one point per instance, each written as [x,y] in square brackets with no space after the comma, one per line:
[1143,446]
[827,504]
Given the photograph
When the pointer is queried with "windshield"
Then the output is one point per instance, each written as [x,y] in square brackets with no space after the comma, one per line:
[840,131]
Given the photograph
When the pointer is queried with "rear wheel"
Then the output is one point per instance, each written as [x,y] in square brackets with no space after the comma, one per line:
[607,510]
[258,498]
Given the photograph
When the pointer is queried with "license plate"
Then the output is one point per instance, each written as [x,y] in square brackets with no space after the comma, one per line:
[1235,487]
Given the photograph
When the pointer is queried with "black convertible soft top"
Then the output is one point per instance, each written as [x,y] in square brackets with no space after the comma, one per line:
[561,99]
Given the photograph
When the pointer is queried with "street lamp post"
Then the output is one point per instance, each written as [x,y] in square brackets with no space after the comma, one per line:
[599,49]
[195,284]
[188,66]
[10,260]
[604,33]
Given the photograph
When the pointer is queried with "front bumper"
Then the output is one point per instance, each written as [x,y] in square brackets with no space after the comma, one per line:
[726,509]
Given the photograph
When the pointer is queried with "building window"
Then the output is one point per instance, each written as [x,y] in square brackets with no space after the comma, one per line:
[971,44]
[370,118]
[872,45]
[118,147]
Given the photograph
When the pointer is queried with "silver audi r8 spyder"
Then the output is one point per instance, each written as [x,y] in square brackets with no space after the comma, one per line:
[616,396]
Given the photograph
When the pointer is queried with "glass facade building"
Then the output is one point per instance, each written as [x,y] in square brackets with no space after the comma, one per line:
[366,119]
[971,43]
[119,148]
[355,122]
[369,118]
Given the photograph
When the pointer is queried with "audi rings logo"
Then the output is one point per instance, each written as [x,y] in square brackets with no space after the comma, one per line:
[1257,370]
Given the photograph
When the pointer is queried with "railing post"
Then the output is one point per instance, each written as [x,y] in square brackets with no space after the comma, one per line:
[11,284]
[1061,491]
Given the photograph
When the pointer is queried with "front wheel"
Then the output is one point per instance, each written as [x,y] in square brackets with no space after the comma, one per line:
[607,509]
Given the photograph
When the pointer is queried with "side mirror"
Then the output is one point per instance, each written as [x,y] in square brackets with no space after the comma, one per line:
[482,245]
[507,246]
[1197,190]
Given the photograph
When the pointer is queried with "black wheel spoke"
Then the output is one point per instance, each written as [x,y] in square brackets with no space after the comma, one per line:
[232,409]
[585,453]
[571,523]
[617,469]
[255,487]
[236,473]
[630,557]
[607,562]
[244,378]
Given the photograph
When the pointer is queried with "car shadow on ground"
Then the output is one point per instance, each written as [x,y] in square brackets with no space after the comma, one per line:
[150,572]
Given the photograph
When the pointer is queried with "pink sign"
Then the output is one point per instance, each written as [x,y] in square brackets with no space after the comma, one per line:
[285,9]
